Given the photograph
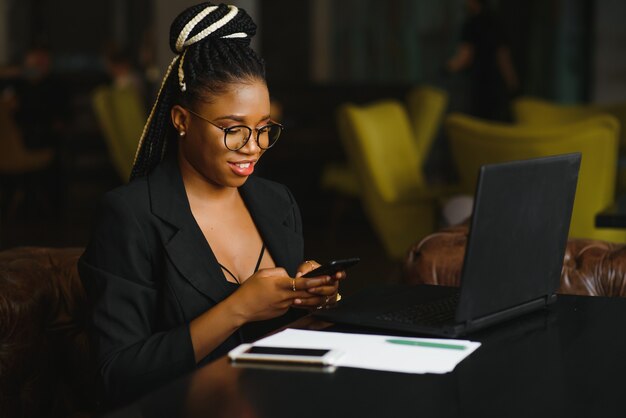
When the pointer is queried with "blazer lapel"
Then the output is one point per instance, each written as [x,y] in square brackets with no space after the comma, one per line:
[271,213]
[182,238]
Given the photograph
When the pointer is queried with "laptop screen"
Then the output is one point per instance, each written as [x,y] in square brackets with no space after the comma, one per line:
[520,223]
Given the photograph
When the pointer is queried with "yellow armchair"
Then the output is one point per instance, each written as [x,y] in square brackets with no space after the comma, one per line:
[426,106]
[121,116]
[534,111]
[383,152]
[476,142]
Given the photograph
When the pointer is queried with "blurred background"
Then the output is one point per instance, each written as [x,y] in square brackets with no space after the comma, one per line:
[58,56]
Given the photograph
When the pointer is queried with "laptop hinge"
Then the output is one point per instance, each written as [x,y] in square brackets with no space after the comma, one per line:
[550,299]
[484,321]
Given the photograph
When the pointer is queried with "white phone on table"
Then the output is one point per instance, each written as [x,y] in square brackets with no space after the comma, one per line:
[303,356]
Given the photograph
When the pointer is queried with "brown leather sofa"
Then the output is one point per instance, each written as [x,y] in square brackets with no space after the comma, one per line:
[45,361]
[590,267]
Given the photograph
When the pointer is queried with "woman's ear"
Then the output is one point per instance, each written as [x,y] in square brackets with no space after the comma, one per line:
[180,118]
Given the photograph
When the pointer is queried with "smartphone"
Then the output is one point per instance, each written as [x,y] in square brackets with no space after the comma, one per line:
[332,267]
[285,355]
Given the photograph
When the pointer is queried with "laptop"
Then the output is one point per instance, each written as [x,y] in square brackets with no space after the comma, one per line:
[513,259]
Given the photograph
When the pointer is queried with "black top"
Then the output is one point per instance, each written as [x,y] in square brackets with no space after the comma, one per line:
[148,271]
[256,266]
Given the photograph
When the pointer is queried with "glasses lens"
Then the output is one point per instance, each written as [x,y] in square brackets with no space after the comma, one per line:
[269,135]
[236,137]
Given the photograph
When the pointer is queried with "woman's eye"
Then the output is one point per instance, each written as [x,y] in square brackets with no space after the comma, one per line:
[234,130]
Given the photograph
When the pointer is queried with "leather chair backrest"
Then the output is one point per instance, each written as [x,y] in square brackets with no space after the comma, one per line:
[590,267]
[45,357]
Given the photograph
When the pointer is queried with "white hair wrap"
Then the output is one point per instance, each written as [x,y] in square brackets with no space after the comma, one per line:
[182,42]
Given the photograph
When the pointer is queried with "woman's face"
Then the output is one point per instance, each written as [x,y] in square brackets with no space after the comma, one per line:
[202,150]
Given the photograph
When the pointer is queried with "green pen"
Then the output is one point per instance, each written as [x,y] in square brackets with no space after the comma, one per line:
[427,344]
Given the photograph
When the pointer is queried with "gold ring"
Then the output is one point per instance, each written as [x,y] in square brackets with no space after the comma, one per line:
[293,284]
[338,297]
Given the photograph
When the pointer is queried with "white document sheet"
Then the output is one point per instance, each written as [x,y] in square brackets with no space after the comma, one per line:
[380,352]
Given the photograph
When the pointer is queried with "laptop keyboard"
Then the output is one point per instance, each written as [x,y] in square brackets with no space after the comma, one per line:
[436,312]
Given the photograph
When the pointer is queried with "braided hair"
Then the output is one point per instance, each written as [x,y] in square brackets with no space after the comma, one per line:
[212,44]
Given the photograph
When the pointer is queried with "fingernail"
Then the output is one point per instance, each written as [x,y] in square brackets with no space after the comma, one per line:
[298,274]
[297,301]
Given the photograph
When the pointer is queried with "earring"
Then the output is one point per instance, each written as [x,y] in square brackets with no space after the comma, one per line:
[181,133]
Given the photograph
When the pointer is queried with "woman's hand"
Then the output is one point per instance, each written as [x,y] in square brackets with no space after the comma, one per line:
[270,292]
[266,294]
[326,294]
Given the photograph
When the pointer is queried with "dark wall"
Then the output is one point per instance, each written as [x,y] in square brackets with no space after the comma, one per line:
[285,40]
[76,28]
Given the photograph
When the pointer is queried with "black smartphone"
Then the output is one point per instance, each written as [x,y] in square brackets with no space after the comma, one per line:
[332,267]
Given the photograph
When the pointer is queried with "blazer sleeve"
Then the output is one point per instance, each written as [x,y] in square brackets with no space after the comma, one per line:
[134,354]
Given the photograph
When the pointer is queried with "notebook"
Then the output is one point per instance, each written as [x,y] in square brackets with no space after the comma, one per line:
[513,259]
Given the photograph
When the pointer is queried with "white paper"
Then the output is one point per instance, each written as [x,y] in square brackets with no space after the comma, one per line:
[375,352]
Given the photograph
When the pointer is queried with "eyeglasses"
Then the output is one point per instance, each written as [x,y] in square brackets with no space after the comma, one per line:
[236,137]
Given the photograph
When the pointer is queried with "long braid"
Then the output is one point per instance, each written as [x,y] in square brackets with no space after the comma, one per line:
[212,44]
[155,129]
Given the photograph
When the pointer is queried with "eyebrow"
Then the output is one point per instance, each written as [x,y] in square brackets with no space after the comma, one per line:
[240,118]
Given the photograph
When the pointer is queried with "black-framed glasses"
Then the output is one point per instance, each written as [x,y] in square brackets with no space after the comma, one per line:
[236,137]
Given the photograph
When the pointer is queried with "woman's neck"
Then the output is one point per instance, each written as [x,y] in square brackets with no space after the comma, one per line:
[201,189]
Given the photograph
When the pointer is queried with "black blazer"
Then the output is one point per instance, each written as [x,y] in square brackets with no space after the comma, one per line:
[148,271]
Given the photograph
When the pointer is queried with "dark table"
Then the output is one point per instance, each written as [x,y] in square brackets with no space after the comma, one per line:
[565,361]
[614,216]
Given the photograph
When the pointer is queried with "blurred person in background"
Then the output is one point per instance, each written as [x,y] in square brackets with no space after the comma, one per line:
[123,72]
[485,54]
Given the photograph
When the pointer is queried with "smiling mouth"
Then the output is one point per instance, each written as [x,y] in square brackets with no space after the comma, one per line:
[242,165]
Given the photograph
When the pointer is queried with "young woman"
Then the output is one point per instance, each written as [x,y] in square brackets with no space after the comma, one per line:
[195,255]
